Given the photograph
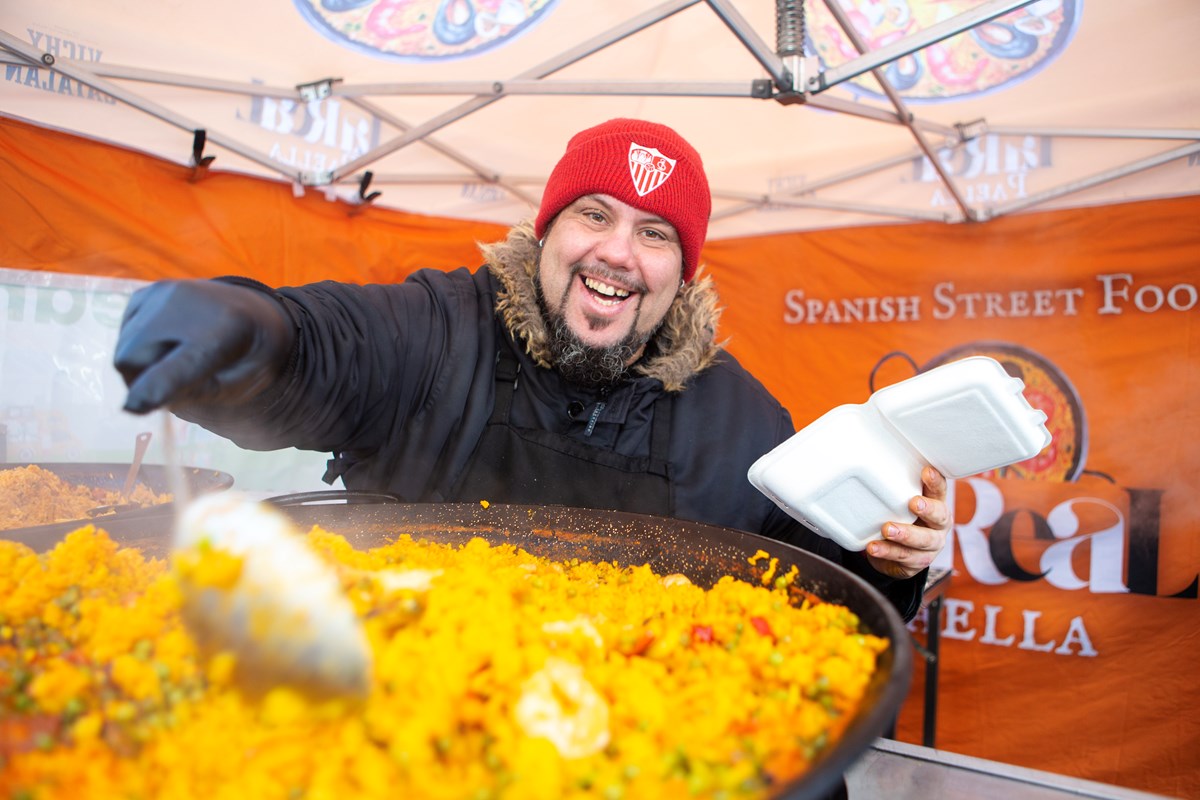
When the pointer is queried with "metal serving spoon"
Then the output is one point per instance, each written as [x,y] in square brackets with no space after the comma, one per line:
[135,466]
[253,587]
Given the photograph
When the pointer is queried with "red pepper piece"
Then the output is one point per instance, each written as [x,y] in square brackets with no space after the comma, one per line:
[762,626]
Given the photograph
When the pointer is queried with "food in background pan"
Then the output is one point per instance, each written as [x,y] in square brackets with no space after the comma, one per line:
[31,495]
[497,674]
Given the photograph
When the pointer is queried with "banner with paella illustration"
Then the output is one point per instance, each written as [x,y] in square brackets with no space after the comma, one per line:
[1068,627]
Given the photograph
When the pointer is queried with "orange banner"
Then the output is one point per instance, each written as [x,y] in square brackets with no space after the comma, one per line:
[77,206]
[1068,629]
[1069,625]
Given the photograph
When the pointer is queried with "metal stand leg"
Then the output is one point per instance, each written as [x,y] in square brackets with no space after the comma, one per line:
[931,601]
[933,633]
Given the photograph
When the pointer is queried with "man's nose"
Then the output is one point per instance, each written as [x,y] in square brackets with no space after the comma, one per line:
[616,248]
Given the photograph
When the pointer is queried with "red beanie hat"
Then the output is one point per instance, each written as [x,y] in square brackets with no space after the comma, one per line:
[647,165]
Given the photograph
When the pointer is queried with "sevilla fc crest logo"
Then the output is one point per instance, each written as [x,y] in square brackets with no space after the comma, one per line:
[648,168]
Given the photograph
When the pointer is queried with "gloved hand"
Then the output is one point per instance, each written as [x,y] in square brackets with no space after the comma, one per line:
[200,341]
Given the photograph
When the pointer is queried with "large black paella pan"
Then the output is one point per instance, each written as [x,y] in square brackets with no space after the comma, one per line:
[701,552]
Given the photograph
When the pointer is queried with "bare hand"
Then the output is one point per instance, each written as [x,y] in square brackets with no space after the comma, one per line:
[908,549]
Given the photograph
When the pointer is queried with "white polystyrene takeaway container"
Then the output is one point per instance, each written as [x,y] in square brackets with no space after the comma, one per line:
[857,466]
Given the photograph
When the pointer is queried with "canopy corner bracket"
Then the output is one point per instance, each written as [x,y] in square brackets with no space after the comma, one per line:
[316,90]
[199,162]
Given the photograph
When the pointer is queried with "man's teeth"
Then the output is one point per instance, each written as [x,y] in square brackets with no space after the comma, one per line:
[604,288]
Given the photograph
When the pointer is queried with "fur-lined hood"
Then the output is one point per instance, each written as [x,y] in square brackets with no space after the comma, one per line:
[684,346]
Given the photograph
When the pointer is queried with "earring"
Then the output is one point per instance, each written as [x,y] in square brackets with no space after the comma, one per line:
[541,242]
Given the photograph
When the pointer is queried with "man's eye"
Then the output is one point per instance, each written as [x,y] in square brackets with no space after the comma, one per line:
[594,216]
[657,235]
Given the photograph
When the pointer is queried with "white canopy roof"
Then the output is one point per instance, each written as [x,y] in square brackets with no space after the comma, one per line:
[855,113]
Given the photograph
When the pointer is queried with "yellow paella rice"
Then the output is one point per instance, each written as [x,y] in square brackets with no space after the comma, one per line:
[496,674]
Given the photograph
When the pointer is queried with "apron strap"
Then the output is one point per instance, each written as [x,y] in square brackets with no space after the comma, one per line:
[660,435]
[507,371]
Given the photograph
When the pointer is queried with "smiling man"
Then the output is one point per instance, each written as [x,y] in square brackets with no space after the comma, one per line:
[580,366]
[607,276]
[622,223]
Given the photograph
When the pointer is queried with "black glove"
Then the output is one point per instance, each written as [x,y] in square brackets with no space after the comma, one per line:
[200,341]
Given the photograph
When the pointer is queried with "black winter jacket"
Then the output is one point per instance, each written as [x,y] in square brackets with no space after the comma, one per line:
[398,381]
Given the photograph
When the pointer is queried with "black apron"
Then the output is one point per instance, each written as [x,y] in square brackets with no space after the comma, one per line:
[536,467]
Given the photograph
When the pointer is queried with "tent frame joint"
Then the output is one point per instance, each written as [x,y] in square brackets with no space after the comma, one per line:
[316,90]
[762,88]
[312,178]
[805,72]
[803,79]
[971,129]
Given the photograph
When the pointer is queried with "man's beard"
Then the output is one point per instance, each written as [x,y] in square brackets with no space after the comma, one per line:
[586,365]
[582,364]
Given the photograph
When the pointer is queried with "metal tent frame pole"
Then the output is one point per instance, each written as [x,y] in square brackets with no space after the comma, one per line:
[792,80]
[1106,176]
[80,74]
